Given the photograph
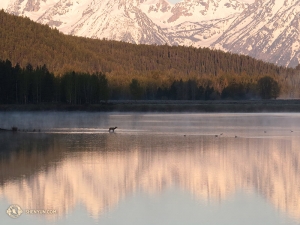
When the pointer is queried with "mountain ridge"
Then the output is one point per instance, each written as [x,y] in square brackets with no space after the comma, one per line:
[272,34]
[139,22]
[267,30]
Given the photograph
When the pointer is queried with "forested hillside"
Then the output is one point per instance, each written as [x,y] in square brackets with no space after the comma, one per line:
[25,42]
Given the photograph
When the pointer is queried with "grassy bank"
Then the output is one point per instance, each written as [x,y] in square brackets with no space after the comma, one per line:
[168,106]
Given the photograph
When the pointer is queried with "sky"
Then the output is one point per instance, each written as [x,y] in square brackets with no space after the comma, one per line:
[175,1]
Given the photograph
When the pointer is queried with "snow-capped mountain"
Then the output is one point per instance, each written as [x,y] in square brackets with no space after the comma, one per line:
[268,30]
[201,22]
[265,29]
[191,22]
[111,19]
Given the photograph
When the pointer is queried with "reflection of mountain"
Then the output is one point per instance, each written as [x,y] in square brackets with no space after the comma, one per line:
[100,170]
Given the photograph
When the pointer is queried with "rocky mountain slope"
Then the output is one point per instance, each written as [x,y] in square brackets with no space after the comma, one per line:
[265,29]
[268,30]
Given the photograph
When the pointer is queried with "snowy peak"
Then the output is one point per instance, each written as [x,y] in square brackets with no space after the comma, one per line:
[269,30]
[112,19]
[200,23]
[63,14]
[205,9]
[156,5]
[122,22]
[264,29]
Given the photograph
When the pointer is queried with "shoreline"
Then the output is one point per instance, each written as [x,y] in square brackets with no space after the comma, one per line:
[166,106]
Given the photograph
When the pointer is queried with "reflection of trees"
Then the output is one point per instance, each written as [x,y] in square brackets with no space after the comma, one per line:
[23,154]
[100,170]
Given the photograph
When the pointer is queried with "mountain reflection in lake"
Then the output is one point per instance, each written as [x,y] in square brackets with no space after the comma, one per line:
[86,170]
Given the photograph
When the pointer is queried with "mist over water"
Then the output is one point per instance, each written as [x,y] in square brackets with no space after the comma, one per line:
[249,124]
[155,169]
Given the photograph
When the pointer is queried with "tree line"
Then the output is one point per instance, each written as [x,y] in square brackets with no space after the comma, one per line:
[23,41]
[31,85]
[265,88]
[37,85]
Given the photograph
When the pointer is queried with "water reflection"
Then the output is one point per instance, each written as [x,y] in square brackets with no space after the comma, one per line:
[60,171]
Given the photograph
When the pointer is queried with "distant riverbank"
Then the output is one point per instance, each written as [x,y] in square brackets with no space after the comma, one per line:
[167,106]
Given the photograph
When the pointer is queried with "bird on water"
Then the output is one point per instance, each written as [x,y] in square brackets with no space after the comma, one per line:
[112,129]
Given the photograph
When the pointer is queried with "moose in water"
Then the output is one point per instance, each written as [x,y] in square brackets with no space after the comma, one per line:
[112,129]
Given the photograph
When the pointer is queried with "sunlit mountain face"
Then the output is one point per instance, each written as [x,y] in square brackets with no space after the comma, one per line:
[264,29]
[60,170]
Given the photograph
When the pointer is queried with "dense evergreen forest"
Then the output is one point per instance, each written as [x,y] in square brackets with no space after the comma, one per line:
[125,71]
[37,85]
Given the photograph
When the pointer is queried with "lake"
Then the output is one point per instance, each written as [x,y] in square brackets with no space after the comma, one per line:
[158,168]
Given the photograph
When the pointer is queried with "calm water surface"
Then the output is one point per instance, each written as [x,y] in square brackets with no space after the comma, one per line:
[155,169]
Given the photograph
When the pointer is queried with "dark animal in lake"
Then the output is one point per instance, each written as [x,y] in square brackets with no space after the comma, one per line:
[112,129]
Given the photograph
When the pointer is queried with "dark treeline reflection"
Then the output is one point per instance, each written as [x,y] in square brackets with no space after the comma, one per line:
[37,85]
[25,154]
[99,170]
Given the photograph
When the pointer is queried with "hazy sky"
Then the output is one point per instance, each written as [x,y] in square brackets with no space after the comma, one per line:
[175,1]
